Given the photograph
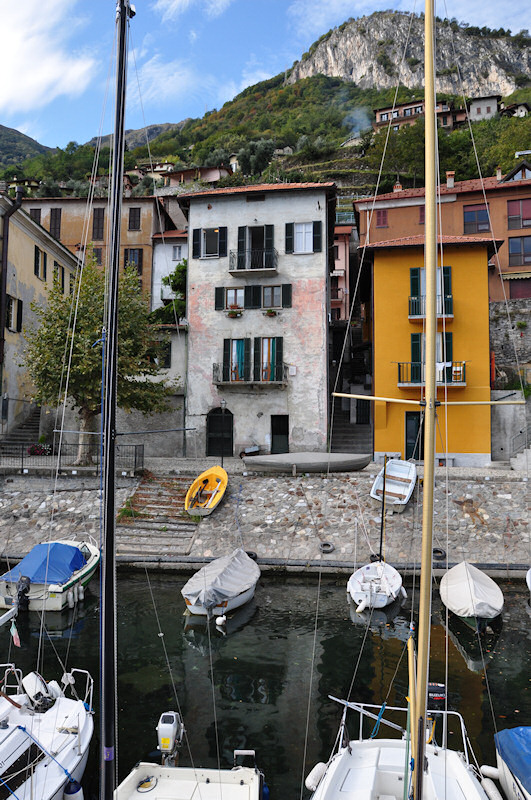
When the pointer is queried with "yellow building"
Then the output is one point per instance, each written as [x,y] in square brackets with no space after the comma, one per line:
[463,436]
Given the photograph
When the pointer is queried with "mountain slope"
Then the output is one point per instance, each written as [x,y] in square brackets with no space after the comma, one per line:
[368,51]
[16,146]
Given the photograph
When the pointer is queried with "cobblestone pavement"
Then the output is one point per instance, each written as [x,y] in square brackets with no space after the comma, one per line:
[481,515]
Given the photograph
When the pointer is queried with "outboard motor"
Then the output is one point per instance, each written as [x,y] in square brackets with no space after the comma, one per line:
[170,730]
[436,696]
[23,587]
[37,690]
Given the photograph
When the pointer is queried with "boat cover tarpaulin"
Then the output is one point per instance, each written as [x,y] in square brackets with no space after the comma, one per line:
[514,746]
[222,579]
[469,592]
[52,562]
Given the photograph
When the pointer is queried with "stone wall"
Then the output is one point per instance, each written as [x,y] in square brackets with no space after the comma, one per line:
[510,340]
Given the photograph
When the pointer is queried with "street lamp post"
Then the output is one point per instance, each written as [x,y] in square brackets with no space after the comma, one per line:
[223,406]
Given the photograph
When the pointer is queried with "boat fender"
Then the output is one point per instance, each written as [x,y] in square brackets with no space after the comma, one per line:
[403,592]
[76,595]
[73,791]
[81,592]
[221,620]
[490,772]
[439,554]
[376,557]
[54,689]
[251,554]
[362,606]
[491,790]
[70,598]
[265,792]
[326,547]
[314,777]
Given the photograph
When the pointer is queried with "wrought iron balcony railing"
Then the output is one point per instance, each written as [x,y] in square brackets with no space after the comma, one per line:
[253,259]
[412,373]
[444,306]
[245,373]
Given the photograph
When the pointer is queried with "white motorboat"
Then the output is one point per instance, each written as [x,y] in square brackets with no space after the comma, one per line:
[45,733]
[50,577]
[513,756]
[375,585]
[400,479]
[308,462]
[222,585]
[470,593]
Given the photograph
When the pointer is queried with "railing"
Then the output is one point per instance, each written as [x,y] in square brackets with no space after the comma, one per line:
[444,306]
[253,259]
[520,441]
[345,218]
[244,374]
[128,458]
[449,372]
[337,294]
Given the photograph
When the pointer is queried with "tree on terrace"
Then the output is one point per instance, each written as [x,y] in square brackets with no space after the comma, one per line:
[49,344]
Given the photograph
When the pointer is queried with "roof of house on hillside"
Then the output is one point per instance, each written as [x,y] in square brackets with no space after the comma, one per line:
[258,188]
[418,241]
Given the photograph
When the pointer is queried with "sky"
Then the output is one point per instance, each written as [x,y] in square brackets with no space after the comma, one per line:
[187,56]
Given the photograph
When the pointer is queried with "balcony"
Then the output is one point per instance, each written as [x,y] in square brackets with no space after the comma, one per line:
[337,293]
[246,375]
[257,262]
[444,306]
[451,373]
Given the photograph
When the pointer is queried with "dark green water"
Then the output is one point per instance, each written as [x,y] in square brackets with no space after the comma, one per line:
[262,671]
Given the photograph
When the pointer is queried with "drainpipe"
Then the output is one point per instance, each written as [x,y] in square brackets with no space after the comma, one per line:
[3,283]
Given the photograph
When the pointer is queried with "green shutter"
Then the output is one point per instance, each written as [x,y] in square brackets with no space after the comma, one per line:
[226,360]
[242,236]
[289,237]
[279,356]
[36,261]
[268,241]
[44,265]
[196,243]
[257,357]
[447,280]
[19,315]
[415,300]
[219,298]
[222,242]
[416,357]
[286,295]
[247,360]
[252,296]
[317,237]
[448,355]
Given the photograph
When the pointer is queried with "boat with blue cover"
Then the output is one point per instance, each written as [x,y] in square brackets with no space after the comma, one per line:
[513,754]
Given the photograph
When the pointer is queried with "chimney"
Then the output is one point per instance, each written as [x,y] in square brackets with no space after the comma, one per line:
[450,180]
[498,174]
[397,187]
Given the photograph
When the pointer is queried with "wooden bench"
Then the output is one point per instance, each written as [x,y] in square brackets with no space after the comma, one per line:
[397,478]
[391,494]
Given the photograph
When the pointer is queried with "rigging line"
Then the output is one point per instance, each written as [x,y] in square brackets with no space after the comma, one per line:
[362,648]
[310,686]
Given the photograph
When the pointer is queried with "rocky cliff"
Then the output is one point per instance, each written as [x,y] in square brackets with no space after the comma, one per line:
[379,50]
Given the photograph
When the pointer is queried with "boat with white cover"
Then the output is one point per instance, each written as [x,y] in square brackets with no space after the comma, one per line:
[308,462]
[222,585]
[45,733]
[470,593]
[51,576]
[400,479]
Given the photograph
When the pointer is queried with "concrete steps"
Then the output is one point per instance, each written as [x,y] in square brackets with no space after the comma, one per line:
[349,438]
[153,521]
[24,435]
[522,461]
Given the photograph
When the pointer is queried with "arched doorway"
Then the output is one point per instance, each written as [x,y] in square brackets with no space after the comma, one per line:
[219,433]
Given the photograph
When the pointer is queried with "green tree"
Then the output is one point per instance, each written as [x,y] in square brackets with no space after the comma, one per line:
[48,345]
[171,313]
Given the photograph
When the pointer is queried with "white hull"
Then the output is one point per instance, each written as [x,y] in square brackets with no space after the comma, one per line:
[225,607]
[375,585]
[308,462]
[241,783]
[400,479]
[528,581]
[512,788]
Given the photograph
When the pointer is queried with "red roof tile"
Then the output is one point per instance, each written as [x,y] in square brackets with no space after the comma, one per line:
[171,235]
[418,241]
[459,187]
[262,187]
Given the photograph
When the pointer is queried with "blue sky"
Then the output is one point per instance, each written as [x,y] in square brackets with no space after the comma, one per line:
[188,56]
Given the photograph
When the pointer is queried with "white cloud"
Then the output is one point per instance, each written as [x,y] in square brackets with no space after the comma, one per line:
[192,37]
[314,19]
[37,63]
[252,73]
[171,9]
[162,82]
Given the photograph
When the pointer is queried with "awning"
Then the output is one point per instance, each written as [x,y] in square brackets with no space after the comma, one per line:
[512,276]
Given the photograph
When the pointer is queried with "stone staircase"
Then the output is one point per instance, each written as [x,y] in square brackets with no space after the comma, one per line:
[349,438]
[153,521]
[25,434]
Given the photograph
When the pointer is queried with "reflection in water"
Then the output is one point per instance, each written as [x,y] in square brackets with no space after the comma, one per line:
[477,648]
[260,671]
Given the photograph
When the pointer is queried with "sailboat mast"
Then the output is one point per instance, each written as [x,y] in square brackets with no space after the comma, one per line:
[108,605]
[430,265]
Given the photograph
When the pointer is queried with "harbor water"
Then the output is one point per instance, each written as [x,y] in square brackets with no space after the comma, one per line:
[264,680]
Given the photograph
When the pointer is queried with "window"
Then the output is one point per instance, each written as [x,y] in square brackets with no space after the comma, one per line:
[395,114]
[39,263]
[518,214]
[35,214]
[396,128]
[255,247]
[234,297]
[488,109]
[55,222]
[408,112]
[164,360]
[176,252]
[418,109]
[134,257]
[478,110]
[59,275]
[209,243]
[236,360]
[422,210]
[272,297]
[303,237]
[336,252]
[134,219]
[445,120]
[268,358]
[384,117]
[98,224]
[417,289]
[13,314]
[443,357]
[71,283]
[381,218]
[98,251]
[476,218]
[519,250]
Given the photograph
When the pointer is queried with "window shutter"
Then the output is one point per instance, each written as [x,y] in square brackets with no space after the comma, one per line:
[414,282]
[279,357]
[196,243]
[289,237]
[140,264]
[317,237]
[219,298]
[416,357]
[19,315]
[44,264]
[242,235]
[286,295]
[222,242]
[36,261]
[252,296]
[247,359]
[447,280]
[268,242]
[126,256]
[226,360]
[9,303]
[448,347]
[257,357]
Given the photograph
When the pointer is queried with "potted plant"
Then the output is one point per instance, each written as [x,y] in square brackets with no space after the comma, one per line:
[235,311]
[270,312]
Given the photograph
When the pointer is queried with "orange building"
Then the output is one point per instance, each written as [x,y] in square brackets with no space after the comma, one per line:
[72,222]
[449,116]
[500,205]
[462,370]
